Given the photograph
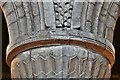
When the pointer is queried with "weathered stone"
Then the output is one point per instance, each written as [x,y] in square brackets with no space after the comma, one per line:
[114,10]
[110,22]
[14,32]
[60,39]
[76,15]
[49,14]
[109,34]
[8,8]
[69,65]
[20,11]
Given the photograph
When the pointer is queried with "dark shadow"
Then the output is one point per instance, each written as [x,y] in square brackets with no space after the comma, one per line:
[116,43]
[5,41]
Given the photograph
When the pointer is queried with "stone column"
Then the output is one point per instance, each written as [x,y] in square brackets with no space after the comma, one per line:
[59,39]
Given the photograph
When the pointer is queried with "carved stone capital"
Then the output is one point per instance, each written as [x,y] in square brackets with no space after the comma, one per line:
[59,39]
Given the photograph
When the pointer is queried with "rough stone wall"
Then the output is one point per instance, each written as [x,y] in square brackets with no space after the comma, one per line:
[34,26]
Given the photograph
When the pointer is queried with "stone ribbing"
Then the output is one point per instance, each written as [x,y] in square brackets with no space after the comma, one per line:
[62,61]
[87,24]
[32,17]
